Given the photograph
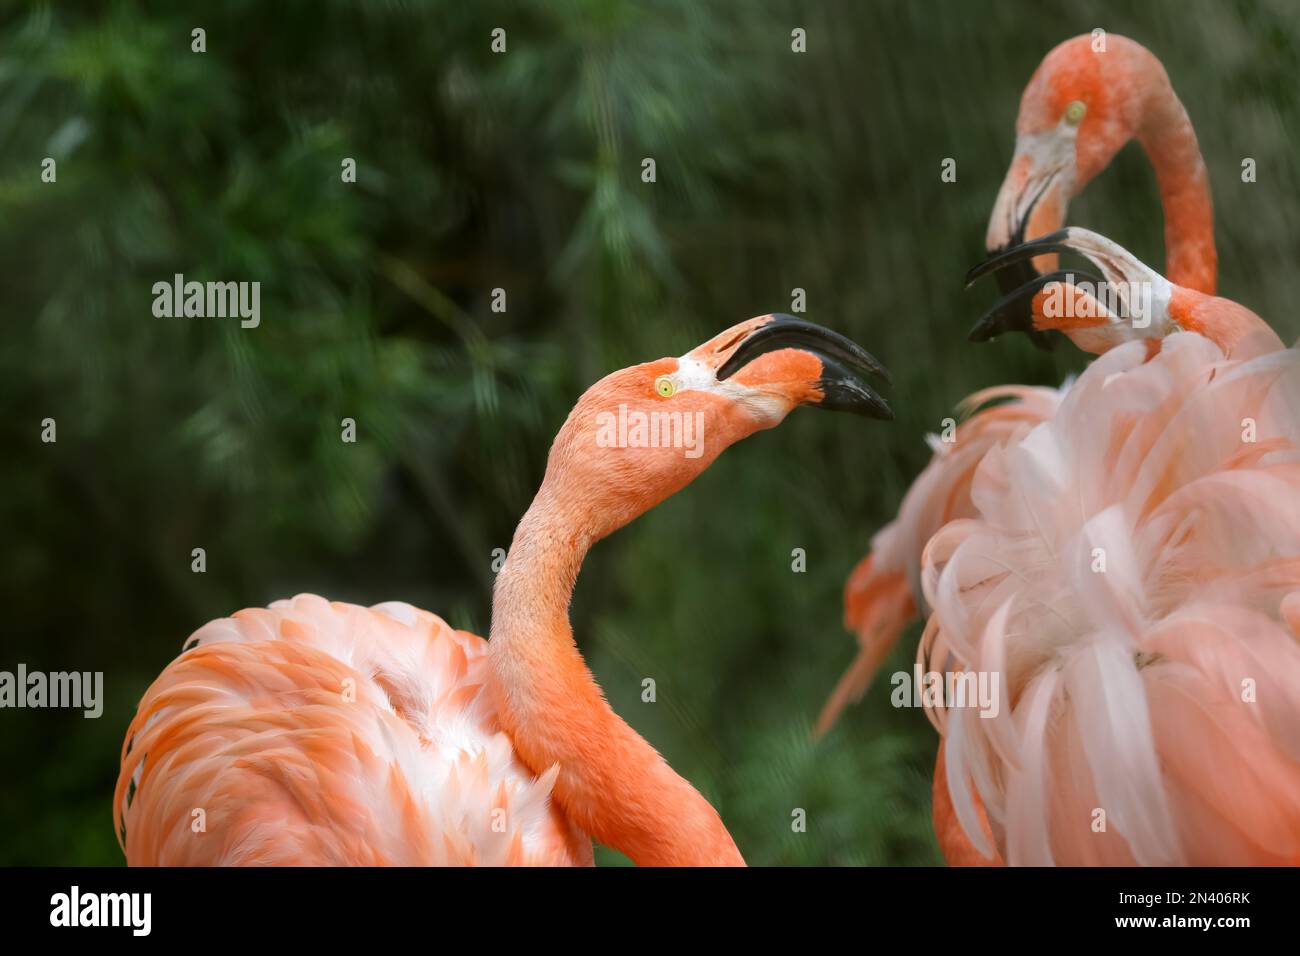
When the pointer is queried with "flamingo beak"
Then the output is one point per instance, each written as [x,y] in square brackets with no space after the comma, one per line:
[1120,272]
[1026,200]
[1020,282]
[844,365]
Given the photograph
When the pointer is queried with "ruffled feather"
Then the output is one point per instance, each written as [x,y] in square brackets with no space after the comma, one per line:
[1131,571]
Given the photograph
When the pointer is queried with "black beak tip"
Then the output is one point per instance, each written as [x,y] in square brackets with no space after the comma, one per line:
[843,391]
[877,409]
[976,272]
[1016,278]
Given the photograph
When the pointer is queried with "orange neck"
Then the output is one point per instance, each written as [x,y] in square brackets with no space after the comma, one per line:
[1229,325]
[1170,144]
[612,784]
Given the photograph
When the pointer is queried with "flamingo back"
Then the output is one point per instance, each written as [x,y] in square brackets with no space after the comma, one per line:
[1133,574]
[322,733]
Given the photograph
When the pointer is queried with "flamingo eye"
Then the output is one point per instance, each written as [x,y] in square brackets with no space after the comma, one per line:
[1074,112]
[665,387]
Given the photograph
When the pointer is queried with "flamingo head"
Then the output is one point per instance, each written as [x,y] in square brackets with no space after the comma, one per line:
[1128,300]
[1085,101]
[643,433]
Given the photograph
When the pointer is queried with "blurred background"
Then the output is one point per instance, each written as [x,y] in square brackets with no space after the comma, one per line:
[522,171]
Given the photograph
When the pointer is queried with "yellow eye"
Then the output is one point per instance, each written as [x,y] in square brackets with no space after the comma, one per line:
[665,386]
[1074,112]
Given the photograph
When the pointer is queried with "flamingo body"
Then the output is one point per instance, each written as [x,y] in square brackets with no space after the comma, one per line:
[321,733]
[1126,95]
[1131,730]
[1151,705]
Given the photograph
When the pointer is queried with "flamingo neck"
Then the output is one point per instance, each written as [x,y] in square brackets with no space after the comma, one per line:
[1227,324]
[1170,143]
[612,784]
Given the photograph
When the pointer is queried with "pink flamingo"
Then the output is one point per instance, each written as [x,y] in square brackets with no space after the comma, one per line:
[1132,570]
[319,733]
[1078,110]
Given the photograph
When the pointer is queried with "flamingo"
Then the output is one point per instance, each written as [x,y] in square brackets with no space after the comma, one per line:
[1079,109]
[1132,568]
[319,733]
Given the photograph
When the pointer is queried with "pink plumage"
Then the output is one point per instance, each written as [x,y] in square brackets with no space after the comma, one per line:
[1132,573]
[880,595]
[319,733]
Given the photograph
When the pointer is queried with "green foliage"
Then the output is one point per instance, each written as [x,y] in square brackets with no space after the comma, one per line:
[521,171]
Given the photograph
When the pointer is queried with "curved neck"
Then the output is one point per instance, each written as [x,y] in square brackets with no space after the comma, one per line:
[1170,143]
[611,783]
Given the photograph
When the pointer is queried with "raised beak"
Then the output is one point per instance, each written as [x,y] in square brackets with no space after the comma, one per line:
[1116,263]
[1018,252]
[1019,282]
[1119,269]
[844,364]
[1027,201]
